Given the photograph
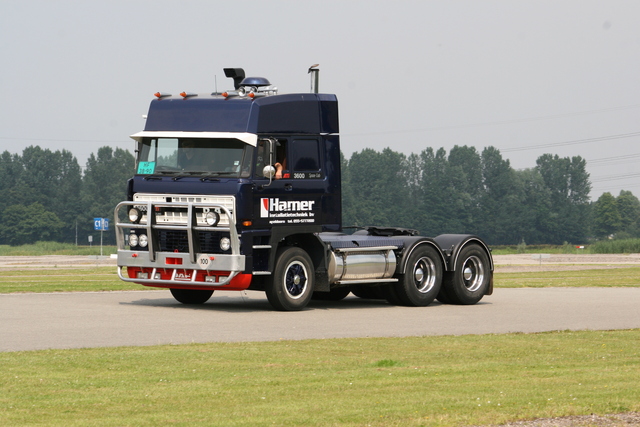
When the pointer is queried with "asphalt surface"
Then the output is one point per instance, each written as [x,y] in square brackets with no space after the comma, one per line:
[107,319]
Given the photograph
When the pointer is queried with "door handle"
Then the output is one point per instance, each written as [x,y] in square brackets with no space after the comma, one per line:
[288,187]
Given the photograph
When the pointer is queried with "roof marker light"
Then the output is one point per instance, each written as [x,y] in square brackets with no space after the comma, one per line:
[160,95]
[187,94]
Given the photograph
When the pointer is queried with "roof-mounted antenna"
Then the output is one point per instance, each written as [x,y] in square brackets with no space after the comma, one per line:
[237,74]
[315,77]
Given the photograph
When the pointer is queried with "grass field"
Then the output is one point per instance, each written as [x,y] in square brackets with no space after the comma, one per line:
[621,246]
[55,248]
[95,279]
[610,277]
[90,279]
[415,381]
[423,381]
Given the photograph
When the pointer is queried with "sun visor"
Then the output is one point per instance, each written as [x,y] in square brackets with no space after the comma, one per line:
[247,138]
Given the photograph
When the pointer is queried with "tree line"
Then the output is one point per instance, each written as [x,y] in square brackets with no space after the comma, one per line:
[47,196]
[466,191]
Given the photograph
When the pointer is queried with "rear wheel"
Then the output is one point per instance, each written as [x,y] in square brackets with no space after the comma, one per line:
[420,284]
[290,287]
[470,280]
[442,295]
[191,296]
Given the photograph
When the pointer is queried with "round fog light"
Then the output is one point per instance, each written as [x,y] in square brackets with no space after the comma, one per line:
[212,218]
[133,240]
[134,215]
[143,241]
[225,243]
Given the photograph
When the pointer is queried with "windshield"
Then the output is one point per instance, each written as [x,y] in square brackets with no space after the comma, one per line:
[193,156]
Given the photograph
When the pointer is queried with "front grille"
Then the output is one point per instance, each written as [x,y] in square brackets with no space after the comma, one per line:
[172,215]
[176,241]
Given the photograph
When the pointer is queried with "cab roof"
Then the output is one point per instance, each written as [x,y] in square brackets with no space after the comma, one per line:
[305,113]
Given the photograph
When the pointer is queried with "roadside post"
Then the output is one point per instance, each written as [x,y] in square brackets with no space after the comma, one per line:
[540,257]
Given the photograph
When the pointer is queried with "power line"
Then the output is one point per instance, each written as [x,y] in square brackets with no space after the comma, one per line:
[573,142]
[497,122]
[616,177]
[59,140]
[631,161]
[459,126]
[614,159]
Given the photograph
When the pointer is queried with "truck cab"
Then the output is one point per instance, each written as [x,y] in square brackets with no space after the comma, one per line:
[241,190]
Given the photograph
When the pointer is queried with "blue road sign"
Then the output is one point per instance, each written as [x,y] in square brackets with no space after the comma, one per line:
[101,224]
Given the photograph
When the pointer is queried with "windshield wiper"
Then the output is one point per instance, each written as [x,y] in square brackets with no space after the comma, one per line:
[158,175]
[227,173]
[213,176]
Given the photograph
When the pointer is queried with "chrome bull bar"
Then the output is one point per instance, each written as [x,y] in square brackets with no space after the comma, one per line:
[232,264]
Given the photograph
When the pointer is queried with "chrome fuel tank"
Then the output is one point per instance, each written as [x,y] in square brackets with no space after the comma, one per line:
[361,264]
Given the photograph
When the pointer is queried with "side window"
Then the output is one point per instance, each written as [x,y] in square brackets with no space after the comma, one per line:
[277,158]
[262,157]
[305,158]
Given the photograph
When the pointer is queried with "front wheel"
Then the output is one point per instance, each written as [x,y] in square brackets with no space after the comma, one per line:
[471,278]
[290,287]
[191,296]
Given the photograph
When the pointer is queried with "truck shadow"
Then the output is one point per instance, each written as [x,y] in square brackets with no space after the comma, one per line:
[225,304]
[258,303]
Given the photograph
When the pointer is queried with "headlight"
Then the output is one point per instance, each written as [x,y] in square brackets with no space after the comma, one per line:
[143,241]
[212,218]
[133,240]
[225,243]
[134,215]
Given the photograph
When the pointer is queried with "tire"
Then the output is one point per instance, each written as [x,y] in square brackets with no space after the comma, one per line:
[191,296]
[421,282]
[335,294]
[390,294]
[290,287]
[442,295]
[470,280]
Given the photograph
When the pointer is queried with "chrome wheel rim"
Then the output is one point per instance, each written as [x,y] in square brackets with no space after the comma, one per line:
[473,273]
[424,274]
[295,279]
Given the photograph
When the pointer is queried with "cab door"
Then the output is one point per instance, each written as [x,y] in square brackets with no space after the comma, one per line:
[296,198]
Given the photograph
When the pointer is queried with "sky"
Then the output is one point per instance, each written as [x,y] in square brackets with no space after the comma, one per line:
[526,77]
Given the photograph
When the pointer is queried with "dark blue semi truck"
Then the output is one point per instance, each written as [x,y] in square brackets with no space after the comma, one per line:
[241,190]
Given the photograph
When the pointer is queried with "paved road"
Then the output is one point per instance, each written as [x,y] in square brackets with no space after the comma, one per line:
[73,320]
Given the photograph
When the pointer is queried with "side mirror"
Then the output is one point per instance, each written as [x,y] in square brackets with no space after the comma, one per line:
[269,172]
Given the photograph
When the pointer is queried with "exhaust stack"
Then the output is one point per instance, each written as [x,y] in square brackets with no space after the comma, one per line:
[315,78]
